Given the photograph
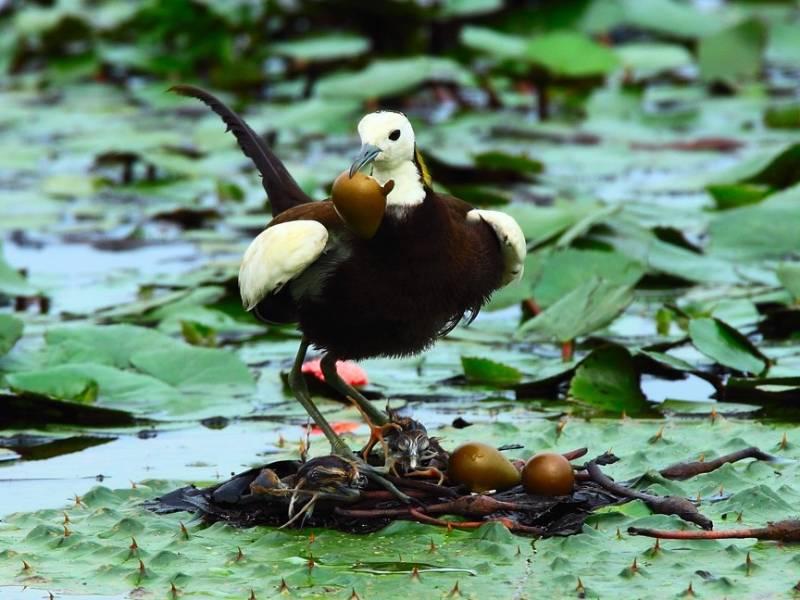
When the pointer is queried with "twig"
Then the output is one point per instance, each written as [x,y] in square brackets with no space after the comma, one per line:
[780,531]
[577,453]
[687,470]
[431,488]
[381,495]
[479,505]
[663,505]
[509,524]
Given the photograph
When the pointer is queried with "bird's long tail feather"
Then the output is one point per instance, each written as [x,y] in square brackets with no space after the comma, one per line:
[280,186]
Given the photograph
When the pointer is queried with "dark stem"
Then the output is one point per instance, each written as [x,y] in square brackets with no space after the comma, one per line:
[687,470]
[567,350]
[664,505]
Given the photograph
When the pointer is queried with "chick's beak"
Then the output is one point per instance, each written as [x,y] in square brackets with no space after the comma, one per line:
[412,460]
[365,157]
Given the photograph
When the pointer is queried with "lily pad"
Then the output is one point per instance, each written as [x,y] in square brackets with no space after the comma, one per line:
[10,332]
[11,282]
[194,367]
[764,230]
[566,269]
[570,54]
[389,77]
[733,195]
[789,275]
[778,168]
[607,379]
[721,342]
[325,47]
[643,60]
[734,54]
[588,307]
[489,372]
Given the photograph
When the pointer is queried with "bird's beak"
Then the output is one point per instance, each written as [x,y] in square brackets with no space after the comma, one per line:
[365,157]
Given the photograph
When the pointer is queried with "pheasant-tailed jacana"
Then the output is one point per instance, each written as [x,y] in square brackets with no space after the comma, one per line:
[432,260]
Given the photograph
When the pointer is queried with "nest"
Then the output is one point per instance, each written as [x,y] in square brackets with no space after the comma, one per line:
[267,496]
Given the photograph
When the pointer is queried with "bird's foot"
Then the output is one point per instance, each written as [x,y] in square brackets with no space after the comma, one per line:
[377,434]
[362,472]
[429,473]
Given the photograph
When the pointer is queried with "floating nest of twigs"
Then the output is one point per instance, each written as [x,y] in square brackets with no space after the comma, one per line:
[329,492]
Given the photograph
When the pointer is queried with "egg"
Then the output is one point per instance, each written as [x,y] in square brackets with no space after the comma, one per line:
[548,474]
[360,201]
[481,468]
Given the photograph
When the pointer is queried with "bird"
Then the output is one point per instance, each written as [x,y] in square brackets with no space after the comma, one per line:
[433,261]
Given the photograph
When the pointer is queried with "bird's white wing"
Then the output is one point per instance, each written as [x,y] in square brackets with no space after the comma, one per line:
[278,255]
[512,240]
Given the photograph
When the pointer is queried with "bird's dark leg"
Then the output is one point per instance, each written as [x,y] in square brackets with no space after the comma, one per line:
[338,447]
[378,421]
[300,390]
[375,417]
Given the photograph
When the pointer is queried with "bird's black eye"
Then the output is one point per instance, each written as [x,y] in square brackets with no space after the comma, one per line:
[395,135]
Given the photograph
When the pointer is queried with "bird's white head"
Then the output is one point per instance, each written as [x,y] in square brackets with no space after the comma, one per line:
[388,145]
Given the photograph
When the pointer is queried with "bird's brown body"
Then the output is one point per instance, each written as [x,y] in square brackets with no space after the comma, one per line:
[394,294]
[358,292]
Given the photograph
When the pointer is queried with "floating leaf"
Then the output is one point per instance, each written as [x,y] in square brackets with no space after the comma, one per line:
[561,53]
[389,77]
[85,383]
[588,307]
[11,282]
[783,47]
[643,60]
[323,47]
[783,116]
[108,345]
[488,372]
[570,54]
[542,223]
[496,160]
[463,8]
[733,195]
[764,230]
[734,54]
[190,366]
[789,276]
[565,269]
[668,17]
[778,168]
[607,379]
[678,261]
[500,45]
[724,344]
[10,332]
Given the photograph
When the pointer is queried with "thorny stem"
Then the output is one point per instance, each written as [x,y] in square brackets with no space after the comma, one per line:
[781,531]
